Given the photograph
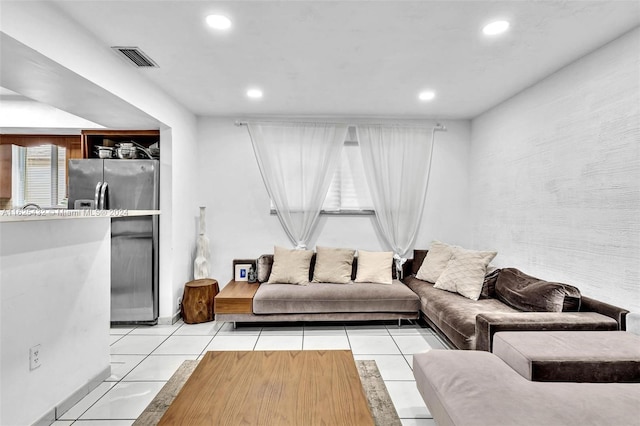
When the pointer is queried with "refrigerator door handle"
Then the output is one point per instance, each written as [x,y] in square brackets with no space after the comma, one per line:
[104,196]
[96,197]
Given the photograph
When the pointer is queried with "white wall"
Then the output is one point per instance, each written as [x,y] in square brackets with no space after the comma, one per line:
[27,113]
[239,224]
[555,176]
[42,27]
[54,291]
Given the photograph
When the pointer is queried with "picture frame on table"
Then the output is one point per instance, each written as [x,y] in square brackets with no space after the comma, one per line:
[242,271]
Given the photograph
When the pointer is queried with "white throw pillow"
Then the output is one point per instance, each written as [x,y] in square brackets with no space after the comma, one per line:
[333,265]
[374,267]
[465,272]
[435,262]
[290,266]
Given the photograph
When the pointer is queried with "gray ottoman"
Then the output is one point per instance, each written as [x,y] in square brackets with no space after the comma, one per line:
[477,388]
[571,356]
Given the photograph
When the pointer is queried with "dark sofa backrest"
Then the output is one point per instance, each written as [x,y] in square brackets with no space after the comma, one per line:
[418,258]
[587,304]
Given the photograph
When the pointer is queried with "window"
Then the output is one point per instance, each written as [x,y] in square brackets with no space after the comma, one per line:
[349,193]
[39,175]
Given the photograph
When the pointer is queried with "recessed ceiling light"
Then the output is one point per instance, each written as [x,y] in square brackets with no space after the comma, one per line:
[219,22]
[427,95]
[496,27]
[254,93]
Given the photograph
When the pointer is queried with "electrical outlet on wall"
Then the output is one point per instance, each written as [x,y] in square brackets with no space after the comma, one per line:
[179,305]
[35,360]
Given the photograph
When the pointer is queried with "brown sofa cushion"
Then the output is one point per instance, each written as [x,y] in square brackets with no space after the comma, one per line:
[453,314]
[332,298]
[489,285]
[264,267]
[571,356]
[527,293]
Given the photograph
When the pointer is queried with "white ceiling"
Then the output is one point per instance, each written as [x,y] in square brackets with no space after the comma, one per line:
[356,58]
[33,77]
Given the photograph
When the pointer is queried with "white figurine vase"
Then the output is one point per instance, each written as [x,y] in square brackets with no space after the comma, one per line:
[201,264]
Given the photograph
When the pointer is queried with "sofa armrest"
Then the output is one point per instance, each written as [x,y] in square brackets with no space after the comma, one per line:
[487,324]
[592,305]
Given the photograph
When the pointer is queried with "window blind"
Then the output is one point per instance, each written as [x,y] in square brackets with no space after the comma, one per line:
[40,174]
[349,192]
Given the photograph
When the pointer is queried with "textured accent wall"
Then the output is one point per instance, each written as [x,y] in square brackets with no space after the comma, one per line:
[555,176]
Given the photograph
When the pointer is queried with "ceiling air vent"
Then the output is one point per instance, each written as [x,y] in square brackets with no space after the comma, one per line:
[135,55]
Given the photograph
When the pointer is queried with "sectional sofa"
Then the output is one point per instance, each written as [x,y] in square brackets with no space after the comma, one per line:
[471,324]
[482,388]
[346,300]
[462,322]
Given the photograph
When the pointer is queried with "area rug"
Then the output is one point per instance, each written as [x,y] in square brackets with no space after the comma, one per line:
[382,409]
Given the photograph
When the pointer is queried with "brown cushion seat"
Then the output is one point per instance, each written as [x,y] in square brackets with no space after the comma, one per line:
[330,298]
[571,356]
[455,315]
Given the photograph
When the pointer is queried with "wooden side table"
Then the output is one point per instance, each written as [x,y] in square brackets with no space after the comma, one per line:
[236,298]
[197,300]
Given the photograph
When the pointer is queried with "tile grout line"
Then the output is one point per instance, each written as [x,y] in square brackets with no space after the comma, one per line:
[259,335]
[123,377]
[104,381]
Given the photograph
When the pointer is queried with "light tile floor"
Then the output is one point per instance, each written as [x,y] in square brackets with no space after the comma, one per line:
[144,358]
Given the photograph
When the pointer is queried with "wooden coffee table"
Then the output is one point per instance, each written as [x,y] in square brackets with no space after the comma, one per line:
[272,388]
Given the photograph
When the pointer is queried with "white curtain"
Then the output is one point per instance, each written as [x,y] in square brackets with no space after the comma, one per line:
[297,162]
[397,160]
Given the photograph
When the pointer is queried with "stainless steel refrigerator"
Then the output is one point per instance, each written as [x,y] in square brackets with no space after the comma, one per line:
[125,185]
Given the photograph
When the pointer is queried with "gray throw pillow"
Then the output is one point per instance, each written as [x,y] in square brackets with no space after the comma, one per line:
[263,268]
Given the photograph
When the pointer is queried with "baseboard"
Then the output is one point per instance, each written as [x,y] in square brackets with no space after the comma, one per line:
[47,419]
[169,320]
[52,415]
[93,383]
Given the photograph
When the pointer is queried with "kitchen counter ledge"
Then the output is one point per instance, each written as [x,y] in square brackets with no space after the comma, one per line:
[18,215]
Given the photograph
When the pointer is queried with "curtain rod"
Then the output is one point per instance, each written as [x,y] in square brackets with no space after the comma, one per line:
[437,127]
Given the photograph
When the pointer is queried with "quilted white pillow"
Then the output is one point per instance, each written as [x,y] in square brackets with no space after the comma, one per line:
[465,272]
[374,267]
[290,266]
[435,262]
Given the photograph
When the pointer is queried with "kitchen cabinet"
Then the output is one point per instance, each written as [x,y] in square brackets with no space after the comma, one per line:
[5,171]
[70,142]
[94,138]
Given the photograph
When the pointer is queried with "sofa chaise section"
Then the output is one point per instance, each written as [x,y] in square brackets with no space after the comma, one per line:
[471,324]
[478,388]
